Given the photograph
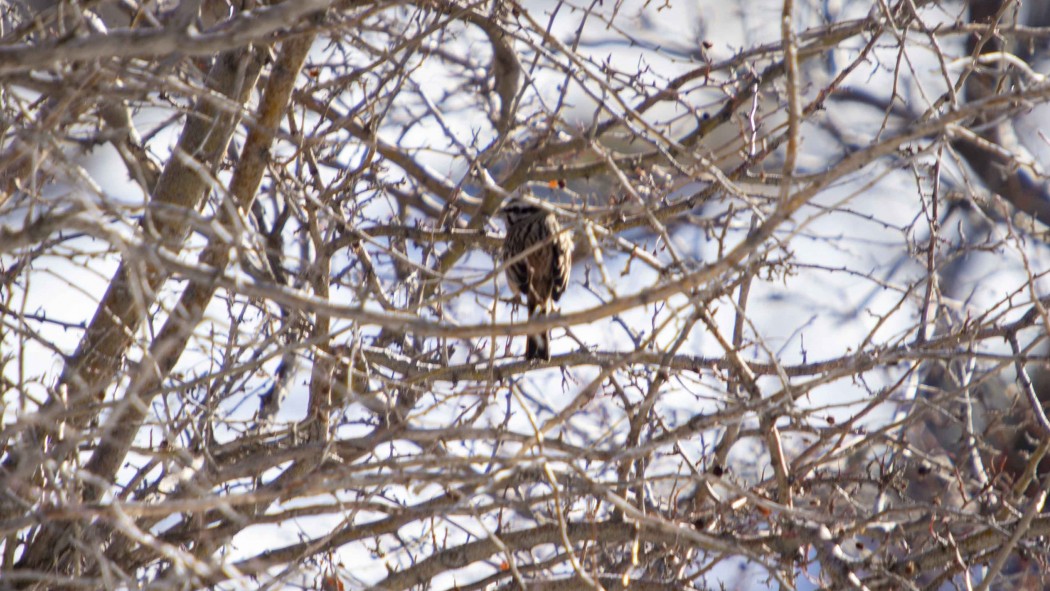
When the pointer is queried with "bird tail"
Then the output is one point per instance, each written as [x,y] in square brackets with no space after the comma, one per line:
[538,346]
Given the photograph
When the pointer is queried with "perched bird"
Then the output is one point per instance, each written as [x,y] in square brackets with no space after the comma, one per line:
[540,257]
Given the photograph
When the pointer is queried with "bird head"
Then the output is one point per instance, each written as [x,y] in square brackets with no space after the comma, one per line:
[517,209]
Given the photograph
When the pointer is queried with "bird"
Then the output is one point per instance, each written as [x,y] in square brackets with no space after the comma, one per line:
[539,258]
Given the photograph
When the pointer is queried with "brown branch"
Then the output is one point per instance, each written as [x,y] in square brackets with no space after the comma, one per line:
[241,30]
